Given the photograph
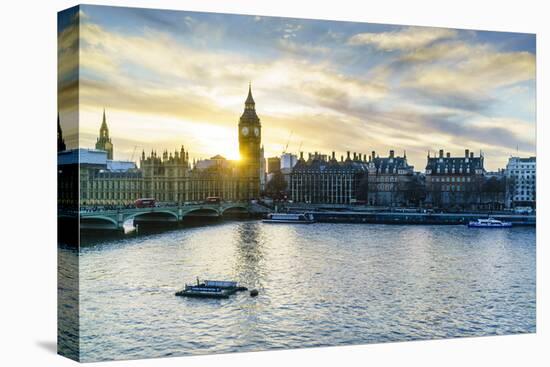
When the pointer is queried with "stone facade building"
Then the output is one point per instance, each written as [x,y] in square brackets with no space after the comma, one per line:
[326,180]
[106,187]
[273,164]
[521,175]
[165,176]
[388,180]
[454,182]
[100,181]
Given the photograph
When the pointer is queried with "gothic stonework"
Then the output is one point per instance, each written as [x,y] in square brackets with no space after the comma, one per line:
[104,141]
[250,136]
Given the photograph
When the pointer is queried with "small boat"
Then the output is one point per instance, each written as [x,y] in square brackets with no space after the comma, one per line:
[304,218]
[211,289]
[489,223]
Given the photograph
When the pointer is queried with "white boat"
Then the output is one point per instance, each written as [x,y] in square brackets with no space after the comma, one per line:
[489,223]
[305,218]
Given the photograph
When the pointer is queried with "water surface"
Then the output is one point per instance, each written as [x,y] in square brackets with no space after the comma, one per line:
[320,284]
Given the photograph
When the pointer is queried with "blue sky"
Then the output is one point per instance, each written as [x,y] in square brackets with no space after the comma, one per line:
[169,78]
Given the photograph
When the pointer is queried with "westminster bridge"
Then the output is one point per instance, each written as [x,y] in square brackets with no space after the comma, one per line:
[114,219]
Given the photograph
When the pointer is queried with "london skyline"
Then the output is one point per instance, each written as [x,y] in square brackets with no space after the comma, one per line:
[172,78]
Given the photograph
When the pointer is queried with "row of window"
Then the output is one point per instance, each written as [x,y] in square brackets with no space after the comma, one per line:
[453,170]
[451,179]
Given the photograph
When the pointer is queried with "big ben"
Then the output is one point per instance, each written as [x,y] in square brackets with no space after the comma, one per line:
[250,136]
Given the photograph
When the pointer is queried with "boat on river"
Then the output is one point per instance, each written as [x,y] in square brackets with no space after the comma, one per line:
[211,289]
[489,223]
[303,218]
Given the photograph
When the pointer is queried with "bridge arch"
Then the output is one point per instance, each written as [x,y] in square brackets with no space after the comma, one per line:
[165,213]
[98,222]
[202,212]
[237,209]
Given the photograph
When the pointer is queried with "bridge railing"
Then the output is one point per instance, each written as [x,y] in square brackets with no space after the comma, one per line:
[94,211]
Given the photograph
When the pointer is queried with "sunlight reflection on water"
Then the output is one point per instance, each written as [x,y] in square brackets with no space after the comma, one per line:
[320,284]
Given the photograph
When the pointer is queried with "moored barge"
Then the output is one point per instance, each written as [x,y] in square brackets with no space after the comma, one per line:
[211,289]
[303,218]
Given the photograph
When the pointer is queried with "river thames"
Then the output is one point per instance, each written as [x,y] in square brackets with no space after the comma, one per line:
[319,285]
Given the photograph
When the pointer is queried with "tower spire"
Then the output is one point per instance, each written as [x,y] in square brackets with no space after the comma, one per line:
[249,103]
[104,122]
[60,141]
[104,141]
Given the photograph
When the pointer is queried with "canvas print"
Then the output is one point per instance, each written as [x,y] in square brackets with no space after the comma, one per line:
[234,183]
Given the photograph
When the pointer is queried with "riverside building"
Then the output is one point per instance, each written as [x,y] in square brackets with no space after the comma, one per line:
[389,180]
[326,180]
[454,182]
[521,174]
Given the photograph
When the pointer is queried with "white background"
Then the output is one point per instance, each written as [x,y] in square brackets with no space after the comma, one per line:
[28,181]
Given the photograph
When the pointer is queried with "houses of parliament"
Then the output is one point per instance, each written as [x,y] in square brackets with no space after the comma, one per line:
[167,176]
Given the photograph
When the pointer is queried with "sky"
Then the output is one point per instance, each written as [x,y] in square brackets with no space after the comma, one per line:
[172,78]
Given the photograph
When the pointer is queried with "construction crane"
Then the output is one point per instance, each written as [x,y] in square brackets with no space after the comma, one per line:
[133,153]
[288,142]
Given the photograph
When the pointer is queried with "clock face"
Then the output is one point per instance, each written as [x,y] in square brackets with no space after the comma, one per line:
[245,131]
[256,131]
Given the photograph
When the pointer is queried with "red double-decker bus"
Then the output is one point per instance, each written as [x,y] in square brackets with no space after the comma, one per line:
[213,200]
[145,203]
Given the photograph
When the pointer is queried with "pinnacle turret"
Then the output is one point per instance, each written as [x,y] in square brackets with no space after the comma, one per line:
[249,103]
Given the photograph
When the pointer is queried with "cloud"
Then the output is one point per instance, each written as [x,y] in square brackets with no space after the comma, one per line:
[291,30]
[480,72]
[409,38]
[432,93]
[302,49]
[467,77]
[184,72]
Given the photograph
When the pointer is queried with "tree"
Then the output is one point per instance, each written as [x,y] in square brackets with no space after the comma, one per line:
[362,190]
[510,190]
[415,190]
[276,187]
[494,190]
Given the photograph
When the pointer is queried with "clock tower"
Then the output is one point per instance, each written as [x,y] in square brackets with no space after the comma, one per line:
[250,136]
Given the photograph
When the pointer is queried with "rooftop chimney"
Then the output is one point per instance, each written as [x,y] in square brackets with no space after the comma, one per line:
[333,155]
[348,154]
[448,155]
[301,155]
[373,154]
[471,154]
[467,153]
[440,153]
[392,153]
